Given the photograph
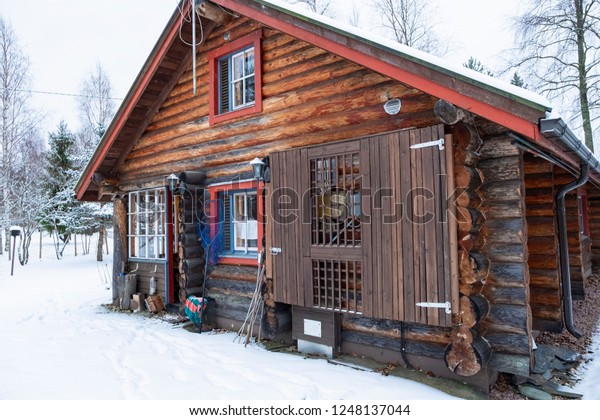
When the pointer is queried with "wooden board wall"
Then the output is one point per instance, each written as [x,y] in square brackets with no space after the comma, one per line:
[542,243]
[309,97]
[594,214]
[579,244]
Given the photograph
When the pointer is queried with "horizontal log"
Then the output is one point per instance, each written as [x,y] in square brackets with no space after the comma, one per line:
[502,209]
[500,169]
[241,288]
[392,329]
[421,348]
[511,363]
[536,165]
[188,239]
[540,210]
[507,274]
[507,231]
[541,226]
[542,245]
[543,262]
[509,343]
[544,278]
[544,296]
[498,147]
[507,318]
[540,196]
[186,252]
[502,191]
[354,124]
[505,252]
[506,295]
[233,272]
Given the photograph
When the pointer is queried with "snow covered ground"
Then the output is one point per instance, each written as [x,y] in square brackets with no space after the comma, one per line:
[57,342]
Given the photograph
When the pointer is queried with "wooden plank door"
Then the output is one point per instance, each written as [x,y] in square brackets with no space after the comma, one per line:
[361,227]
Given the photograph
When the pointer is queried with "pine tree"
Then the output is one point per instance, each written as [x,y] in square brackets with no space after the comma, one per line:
[61,175]
[518,81]
[475,64]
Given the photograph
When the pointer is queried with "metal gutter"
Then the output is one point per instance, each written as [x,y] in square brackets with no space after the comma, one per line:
[557,129]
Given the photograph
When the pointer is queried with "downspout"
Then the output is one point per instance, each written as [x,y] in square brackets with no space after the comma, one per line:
[557,129]
[563,246]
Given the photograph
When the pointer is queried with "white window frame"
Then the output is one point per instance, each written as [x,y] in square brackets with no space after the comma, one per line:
[231,82]
[149,243]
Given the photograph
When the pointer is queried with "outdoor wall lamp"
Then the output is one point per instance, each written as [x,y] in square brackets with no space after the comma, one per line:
[258,168]
[173,182]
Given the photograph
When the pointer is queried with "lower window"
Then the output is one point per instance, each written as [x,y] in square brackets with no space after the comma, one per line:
[147,234]
[240,224]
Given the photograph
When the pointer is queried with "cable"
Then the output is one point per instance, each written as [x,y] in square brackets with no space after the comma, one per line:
[61,94]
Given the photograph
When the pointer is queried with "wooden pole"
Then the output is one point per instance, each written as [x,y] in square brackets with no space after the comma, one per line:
[12,265]
[41,237]
[75,243]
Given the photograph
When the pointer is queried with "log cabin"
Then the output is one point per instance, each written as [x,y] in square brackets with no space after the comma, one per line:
[407,210]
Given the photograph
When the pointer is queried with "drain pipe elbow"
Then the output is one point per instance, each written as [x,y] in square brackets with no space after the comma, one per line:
[565,269]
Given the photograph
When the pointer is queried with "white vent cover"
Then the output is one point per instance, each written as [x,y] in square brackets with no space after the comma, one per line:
[392,107]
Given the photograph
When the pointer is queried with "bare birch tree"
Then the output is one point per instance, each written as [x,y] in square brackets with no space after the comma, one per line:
[17,121]
[558,50]
[97,108]
[411,23]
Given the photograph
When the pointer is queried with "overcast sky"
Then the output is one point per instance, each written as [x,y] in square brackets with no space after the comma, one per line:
[64,39]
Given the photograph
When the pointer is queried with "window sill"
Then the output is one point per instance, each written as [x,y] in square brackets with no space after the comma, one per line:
[250,259]
[241,112]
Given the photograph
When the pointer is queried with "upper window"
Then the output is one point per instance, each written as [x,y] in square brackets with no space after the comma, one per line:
[235,79]
[147,234]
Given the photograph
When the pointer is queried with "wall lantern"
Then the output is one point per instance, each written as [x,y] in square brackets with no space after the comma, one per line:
[392,107]
[258,168]
[173,182]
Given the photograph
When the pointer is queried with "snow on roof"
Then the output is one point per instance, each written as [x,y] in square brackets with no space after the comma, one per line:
[412,54]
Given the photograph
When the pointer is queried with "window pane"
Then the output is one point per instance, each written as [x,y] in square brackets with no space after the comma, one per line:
[239,211]
[237,63]
[250,95]
[252,207]
[249,62]
[238,97]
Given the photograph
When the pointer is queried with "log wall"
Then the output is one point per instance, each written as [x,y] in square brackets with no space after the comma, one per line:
[542,243]
[309,97]
[508,326]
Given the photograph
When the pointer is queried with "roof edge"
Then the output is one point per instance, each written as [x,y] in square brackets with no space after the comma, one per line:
[509,91]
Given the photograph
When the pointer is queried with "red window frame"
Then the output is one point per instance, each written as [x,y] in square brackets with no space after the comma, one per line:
[585,212]
[252,39]
[243,185]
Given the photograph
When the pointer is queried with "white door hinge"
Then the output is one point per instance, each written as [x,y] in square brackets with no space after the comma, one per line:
[275,251]
[445,305]
[439,143]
